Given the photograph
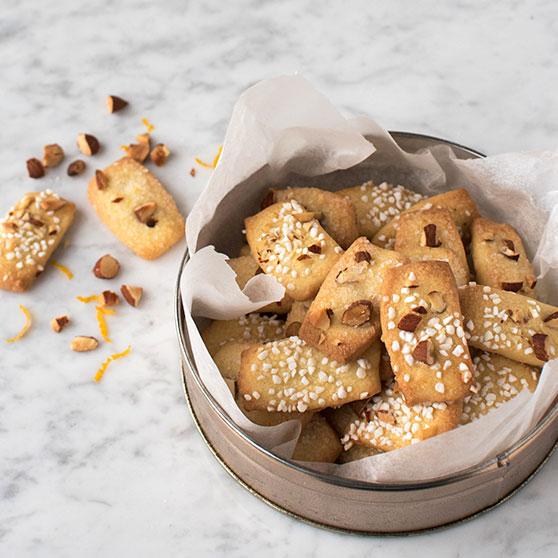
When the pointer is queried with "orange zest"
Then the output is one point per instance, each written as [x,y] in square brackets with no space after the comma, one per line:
[213,163]
[101,320]
[148,125]
[87,299]
[102,369]
[26,325]
[62,268]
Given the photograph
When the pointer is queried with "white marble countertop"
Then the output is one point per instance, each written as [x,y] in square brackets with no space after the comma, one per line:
[118,469]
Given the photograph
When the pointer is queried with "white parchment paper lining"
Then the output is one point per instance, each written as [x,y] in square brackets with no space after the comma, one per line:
[283,131]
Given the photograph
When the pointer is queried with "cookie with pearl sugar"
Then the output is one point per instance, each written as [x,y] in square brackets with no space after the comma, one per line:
[422,330]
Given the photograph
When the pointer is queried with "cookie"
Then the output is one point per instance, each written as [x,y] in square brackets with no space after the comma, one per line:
[500,259]
[247,267]
[386,371]
[227,358]
[343,320]
[296,316]
[459,203]
[376,205]
[510,324]
[245,250]
[390,422]
[317,442]
[289,375]
[136,208]
[336,214]
[497,379]
[29,234]
[354,453]
[423,332]
[289,243]
[252,328]
[431,234]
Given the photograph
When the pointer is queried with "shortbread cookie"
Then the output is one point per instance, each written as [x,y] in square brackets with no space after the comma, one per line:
[343,321]
[317,442]
[430,234]
[376,205]
[356,453]
[386,371]
[389,422]
[497,379]
[252,328]
[296,316]
[289,375]
[336,214]
[29,234]
[247,267]
[245,250]
[227,358]
[500,259]
[340,418]
[136,208]
[273,418]
[460,204]
[289,243]
[510,324]
[423,332]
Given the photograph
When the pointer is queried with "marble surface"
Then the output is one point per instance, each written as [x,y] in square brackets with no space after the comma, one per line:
[118,469]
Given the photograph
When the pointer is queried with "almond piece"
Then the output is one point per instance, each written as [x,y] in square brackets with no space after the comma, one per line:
[138,151]
[88,144]
[508,249]
[35,168]
[132,295]
[437,301]
[423,352]
[352,274]
[193,173]
[52,204]
[106,267]
[430,237]
[420,310]
[315,249]
[409,322]
[109,298]
[386,417]
[357,313]
[52,155]
[363,256]
[83,343]
[114,103]
[101,180]
[305,216]
[531,281]
[539,342]
[292,329]
[76,168]
[159,154]
[145,212]
[552,320]
[513,287]
[324,319]
[59,323]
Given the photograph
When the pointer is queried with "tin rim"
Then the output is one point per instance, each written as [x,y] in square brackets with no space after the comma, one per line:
[465,474]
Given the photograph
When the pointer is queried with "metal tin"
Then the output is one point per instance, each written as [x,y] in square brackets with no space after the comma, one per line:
[355,506]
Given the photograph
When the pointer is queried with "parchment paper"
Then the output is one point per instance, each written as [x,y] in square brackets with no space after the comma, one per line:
[283,132]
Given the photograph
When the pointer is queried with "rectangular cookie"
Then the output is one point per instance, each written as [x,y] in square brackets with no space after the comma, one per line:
[343,320]
[317,442]
[375,205]
[431,234]
[497,379]
[422,330]
[335,213]
[29,234]
[289,375]
[459,203]
[136,208]
[500,259]
[510,324]
[289,243]
[390,422]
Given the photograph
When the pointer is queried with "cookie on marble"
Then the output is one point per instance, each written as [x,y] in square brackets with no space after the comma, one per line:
[376,205]
[317,442]
[512,325]
[336,214]
[497,379]
[289,375]
[343,320]
[500,259]
[423,332]
[289,243]
[29,234]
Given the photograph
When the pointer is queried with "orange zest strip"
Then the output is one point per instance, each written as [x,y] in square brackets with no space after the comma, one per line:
[213,164]
[26,325]
[106,311]
[87,299]
[102,369]
[103,326]
[148,125]
[62,268]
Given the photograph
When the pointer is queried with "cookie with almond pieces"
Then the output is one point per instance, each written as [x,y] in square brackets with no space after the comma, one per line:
[423,332]
[512,325]
[29,234]
[336,214]
[376,205]
[289,375]
[317,442]
[296,316]
[227,358]
[343,320]
[459,268]
[136,208]
[500,259]
[289,243]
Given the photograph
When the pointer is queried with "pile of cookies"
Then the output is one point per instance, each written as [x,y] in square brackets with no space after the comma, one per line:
[403,317]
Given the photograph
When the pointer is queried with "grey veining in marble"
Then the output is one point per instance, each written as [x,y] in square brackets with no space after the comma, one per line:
[117,469]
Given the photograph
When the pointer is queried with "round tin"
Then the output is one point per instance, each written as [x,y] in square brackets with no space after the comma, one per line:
[355,506]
